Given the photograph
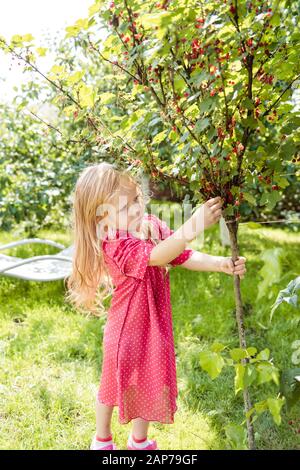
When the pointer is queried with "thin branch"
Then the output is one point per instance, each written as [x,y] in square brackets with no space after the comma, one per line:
[280,96]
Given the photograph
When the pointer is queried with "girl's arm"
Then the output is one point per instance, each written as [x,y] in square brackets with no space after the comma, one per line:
[203,262]
[206,215]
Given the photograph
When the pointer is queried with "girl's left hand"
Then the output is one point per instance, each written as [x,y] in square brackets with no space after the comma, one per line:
[238,268]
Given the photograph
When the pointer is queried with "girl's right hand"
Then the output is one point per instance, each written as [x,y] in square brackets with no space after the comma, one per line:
[208,214]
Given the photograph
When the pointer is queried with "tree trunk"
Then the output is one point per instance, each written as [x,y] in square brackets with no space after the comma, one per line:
[233,230]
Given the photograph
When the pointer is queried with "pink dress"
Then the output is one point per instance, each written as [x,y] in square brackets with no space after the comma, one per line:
[139,364]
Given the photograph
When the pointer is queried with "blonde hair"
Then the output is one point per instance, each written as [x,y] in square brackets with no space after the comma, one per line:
[94,187]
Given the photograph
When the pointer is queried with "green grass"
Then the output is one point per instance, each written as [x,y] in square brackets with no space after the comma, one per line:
[51,355]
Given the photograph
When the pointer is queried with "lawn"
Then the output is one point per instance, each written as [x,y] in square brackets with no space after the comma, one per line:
[51,355]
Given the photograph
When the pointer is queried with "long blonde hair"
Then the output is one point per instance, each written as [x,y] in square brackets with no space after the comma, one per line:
[94,187]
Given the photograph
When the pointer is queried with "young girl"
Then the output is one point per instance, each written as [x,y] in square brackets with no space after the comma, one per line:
[119,247]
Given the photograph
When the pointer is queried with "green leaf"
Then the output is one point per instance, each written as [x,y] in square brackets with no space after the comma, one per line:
[250,198]
[160,137]
[173,136]
[110,43]
[57,71]
[287,150]
[75,77]
[179,84]
[19,40]
[69,110]
[41,51]
[212,363]
[247,103]
[271,270]
[250,375]
[86,96]
[202,124]
[192,111]
[261,406]
[263,355]
[82,23]
[149,20]
[291,125]
[270,198]
[137,89]
[198,77]
[262,127]
[296,354]
[239,377]
[290,386]
[251,351]
[250,122]
[266,372]
[217,347]
[282,182]
[275,19]
[275,405]
[237,354]
[237,436]
[206,105]
[71,31]
[273,198]
[289,295]
[107,97]
[94,8]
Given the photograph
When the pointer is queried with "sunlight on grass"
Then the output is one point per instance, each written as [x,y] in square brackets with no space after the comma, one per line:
[277,235]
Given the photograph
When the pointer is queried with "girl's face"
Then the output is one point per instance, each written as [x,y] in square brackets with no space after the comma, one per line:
[126,209]
[129,209]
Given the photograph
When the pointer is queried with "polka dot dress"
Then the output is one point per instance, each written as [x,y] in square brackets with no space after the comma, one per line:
[139,365]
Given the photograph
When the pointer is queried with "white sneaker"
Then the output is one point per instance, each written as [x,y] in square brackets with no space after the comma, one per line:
[97,445]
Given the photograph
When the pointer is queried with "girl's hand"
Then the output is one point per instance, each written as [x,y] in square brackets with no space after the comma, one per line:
[212,211]
[238,268]
[205,215]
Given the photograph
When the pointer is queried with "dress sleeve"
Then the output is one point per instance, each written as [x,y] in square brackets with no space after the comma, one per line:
[165,232]
[131,255]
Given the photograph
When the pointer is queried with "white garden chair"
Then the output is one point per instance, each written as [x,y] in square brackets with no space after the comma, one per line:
[37,268]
